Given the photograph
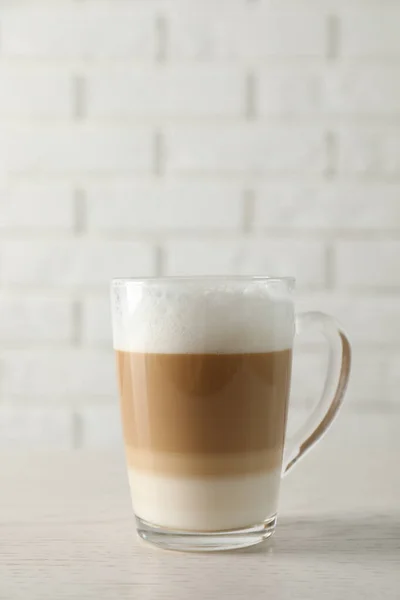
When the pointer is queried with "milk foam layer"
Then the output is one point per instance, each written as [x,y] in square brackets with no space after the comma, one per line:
[201,504]
[193,319]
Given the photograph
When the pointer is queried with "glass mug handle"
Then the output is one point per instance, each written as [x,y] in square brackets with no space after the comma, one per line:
[339,362]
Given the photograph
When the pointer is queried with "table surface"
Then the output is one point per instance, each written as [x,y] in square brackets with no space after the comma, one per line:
[67,529]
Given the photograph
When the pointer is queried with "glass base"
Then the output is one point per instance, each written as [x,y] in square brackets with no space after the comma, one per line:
[200,541]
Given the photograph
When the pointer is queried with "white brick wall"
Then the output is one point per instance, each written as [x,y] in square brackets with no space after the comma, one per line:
[35,93]
[371,31]
[26,428]
[369,319]
[369,151]
[164,207]
[232,30]
[247,149]
[91,30]
[73,263]
[372,264]
[33,319]
[166,137]
[50,373]
[70,148]
[96,321]
[329,90]
[328,206]
[101,426]
[37,207]
[305,260]
[166,92]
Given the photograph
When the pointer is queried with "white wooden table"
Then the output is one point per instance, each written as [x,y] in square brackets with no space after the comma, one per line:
[67,531]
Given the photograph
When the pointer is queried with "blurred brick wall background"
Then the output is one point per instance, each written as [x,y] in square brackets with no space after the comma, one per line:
[143,137]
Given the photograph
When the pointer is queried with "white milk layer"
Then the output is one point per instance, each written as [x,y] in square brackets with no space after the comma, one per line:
[204,504]
[181,318]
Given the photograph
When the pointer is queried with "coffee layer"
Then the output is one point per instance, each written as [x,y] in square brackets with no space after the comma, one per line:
[204,504]
[204,414]
[203,465]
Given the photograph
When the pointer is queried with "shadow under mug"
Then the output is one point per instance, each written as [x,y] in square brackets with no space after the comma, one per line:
[204,369]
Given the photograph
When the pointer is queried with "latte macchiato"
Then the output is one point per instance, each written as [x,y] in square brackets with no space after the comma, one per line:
[204,380]
[204,367]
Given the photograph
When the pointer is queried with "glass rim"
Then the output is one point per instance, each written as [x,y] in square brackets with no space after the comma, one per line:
[119,281]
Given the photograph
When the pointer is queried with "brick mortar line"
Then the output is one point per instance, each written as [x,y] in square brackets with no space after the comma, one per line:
[330,267]
[317,123]
[46,347]
[102,294]
[88,68]
[79,98]
[92,291]
[77,431]
[249,212]
[258,234]
[159,154]
[250,105]
[68,63]
[98,289]
[222,177]
[332,152]
[77,322]
[315,180]
[80,211]
[101,350]
[161,34]
[333,37]
[287,3]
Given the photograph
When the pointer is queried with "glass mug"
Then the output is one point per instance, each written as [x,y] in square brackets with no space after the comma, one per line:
[204,368]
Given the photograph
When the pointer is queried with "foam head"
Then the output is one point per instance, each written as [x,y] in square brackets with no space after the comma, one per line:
[182,318]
